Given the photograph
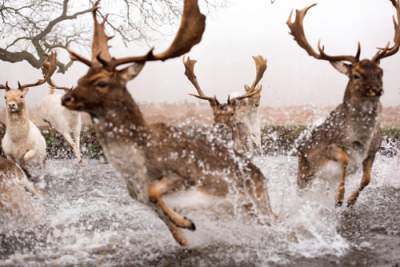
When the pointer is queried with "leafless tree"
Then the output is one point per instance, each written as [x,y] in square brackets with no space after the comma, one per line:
[29,29]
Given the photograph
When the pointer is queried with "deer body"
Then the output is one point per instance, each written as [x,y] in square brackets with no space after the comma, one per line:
[350,136]
[66,122]
[157,160]
[15,191]
[23,141]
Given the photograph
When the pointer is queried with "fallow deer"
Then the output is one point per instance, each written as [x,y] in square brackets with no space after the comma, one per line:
[156,159]
[351,135]
[227,114]
[248,110]
[23,141]
[67,122]
[16,191]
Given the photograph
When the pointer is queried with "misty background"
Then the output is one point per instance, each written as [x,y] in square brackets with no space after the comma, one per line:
[254,27]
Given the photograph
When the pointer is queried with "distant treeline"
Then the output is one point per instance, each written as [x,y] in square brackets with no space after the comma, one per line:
[275,140]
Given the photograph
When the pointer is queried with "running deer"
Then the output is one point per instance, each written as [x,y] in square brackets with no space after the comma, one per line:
[351,135]
[227,114]
[23,142]
[157,160]
[248,108]
[67,122]
[16,192]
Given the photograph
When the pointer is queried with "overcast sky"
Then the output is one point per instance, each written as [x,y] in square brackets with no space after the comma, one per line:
[252,27]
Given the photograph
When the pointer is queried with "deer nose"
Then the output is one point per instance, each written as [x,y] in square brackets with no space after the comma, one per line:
[67,99]
[12,105]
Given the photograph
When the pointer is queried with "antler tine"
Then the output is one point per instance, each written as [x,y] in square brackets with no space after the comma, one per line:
[49,66]
[5,86]
[189,72]
[76,57]
[247,95]
[261,67]
[390,51]
[52,84]
[297,31]
[212,100]
[100,39]
[190,32]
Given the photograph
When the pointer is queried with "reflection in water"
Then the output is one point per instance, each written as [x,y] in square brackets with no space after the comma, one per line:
[91,220]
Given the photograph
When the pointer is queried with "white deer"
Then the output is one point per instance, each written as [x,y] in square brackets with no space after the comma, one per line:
[66,122]
[23,141]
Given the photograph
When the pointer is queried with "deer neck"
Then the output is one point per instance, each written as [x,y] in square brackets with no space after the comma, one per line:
[122,122]
[17,124]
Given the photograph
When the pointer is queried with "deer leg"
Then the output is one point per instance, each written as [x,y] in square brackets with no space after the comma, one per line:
[258,192]
[159,188]
[77,139]
[70,141]
[366,178]
[304,172]
[339,155]
[176,233]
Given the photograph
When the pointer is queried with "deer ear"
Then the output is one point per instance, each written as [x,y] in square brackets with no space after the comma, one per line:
[342,67]
[131,72]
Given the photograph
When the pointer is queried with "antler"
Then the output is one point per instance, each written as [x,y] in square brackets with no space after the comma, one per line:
[261,66]
[5,86]
[297,30]
[248,94]
[48,67]
[190,32]
[100,39]
[390,51]
[189,72]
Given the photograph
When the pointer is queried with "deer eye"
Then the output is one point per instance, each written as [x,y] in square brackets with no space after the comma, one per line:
[356,77]
[21,96]
[101,84]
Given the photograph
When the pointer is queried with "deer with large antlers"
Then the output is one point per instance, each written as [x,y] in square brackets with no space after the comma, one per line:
[351,135]
[239,113]
[23,142]
[156,159]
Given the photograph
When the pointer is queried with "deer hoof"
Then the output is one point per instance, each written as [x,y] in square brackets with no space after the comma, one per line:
[191,226]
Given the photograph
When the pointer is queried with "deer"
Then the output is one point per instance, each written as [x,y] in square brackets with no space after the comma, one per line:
[66,122]
[23,141]
[248,110]
[16,191]
[350,136]
[237,113]
[158,160]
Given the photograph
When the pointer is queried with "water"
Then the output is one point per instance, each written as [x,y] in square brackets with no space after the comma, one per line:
[89,220]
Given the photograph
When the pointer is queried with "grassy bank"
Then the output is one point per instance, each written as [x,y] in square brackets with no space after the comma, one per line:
[275,140]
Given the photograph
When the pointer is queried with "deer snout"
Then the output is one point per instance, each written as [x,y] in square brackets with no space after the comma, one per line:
[67,100]
[12,106]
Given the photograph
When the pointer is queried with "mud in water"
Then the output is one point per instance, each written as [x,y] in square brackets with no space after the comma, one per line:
[90,220]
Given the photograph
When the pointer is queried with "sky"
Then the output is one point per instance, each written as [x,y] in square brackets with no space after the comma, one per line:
[257,27]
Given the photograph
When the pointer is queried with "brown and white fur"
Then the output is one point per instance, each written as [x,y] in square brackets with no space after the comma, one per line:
[67,122]
[351,135]
[156,159]
[15,192]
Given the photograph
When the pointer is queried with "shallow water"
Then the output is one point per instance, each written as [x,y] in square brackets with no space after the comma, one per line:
[90,220]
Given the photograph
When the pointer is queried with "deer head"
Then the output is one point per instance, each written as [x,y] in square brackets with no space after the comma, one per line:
[15,98]
[223,113]
[365,76]
[104,85]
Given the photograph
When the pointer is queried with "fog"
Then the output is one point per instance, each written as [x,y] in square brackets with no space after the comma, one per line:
[253,27]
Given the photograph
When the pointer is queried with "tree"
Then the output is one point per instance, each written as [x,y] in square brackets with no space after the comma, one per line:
[31,28]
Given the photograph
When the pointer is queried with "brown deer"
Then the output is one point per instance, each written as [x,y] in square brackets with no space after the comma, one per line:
[23,142]
[227,114]
[351,135]
[156,159]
